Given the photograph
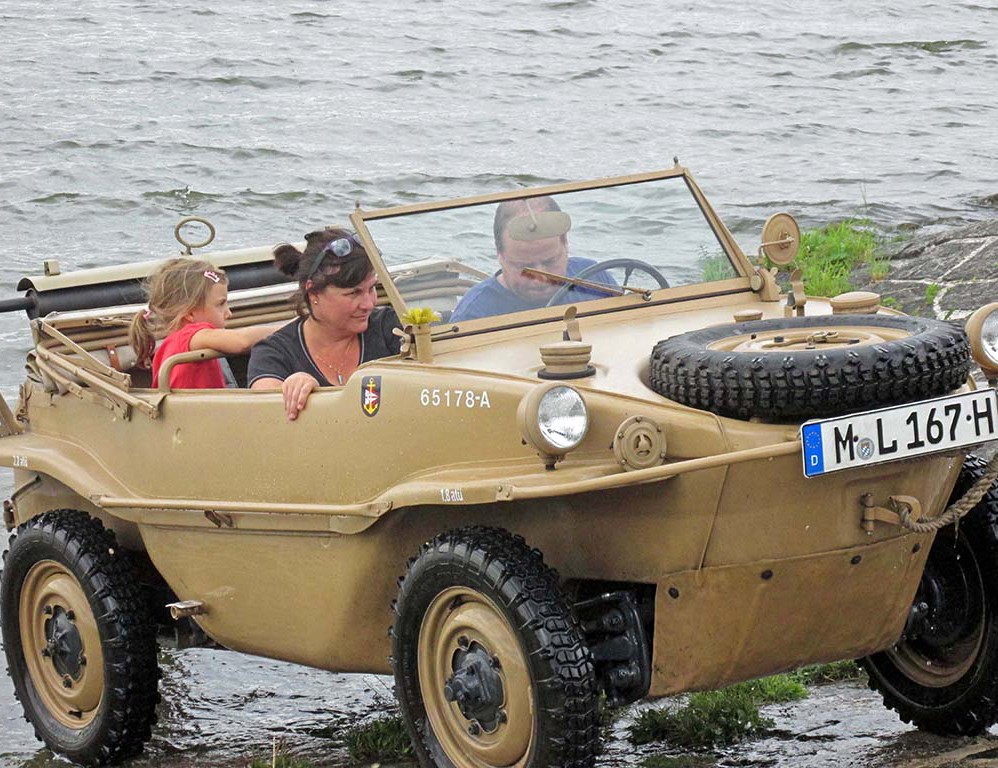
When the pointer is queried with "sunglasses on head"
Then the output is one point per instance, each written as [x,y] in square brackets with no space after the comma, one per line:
[338,249]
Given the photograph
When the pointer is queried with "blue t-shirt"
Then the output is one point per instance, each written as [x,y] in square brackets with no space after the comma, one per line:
[490,297]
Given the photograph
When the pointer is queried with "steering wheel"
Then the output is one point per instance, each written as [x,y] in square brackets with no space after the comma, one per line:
[629,266]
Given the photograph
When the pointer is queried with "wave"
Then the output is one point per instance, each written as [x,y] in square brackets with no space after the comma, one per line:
[928,46]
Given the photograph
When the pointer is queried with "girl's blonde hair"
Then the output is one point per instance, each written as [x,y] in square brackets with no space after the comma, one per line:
[178,286]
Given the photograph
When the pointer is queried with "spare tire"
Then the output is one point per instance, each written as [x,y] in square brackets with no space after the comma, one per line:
[807,367]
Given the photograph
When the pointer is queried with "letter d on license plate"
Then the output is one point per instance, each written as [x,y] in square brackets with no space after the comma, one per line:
[899,432]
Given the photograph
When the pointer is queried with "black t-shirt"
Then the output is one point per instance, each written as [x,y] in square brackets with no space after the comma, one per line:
[284,351]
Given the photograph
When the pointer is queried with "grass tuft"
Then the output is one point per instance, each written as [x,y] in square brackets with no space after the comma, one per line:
[829,255]
[383,740]
[676,761]
[714,266]
[777,689]
[709,719]
[715,718]
[837,671]
[279,758]
[931,291]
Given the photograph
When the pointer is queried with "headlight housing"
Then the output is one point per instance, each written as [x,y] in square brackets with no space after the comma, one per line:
[982,328]
[553,419]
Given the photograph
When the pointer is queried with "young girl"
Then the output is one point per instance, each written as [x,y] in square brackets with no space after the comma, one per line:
[189,300]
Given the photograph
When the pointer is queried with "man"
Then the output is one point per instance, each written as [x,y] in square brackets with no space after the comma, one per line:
[529,233]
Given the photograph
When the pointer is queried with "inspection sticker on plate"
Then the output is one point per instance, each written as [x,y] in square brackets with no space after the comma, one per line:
[899,432]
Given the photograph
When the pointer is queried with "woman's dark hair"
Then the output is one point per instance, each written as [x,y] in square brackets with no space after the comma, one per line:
[323,266]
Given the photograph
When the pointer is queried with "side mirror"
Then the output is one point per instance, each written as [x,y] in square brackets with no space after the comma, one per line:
[780,239]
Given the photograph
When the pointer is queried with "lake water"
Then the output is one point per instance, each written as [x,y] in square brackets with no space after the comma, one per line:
[271,118]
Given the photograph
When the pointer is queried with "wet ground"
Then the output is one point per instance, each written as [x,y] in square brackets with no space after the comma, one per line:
[210,716]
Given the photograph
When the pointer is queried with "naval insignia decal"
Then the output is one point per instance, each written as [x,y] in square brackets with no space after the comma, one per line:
[370,395]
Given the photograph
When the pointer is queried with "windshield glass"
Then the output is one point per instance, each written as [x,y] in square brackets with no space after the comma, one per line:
[493,259]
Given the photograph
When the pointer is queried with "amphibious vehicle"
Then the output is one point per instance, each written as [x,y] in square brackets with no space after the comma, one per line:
[674,471]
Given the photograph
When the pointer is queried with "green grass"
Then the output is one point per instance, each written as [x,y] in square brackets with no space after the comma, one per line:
[931,291]
[829,255]
[715,718]
[714,267]
[708,719]
[817,674]
[282,761]
[777,689]
[676,761]
[384,740]
[279,758]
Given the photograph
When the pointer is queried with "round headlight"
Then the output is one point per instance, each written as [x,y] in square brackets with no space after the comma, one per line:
[553,419]
[562,417]
[982,328]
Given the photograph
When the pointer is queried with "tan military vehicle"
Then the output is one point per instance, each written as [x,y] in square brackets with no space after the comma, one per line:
[651,469]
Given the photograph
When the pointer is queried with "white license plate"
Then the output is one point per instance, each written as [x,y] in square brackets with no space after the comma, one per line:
[899,432]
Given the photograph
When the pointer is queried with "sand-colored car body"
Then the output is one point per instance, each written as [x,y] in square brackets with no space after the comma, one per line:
[290,537]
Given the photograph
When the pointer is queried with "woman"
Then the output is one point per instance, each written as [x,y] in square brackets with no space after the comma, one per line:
[339,325]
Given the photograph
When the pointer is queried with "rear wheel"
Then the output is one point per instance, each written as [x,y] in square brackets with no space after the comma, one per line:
[942,675]
[80,645]
[490,666]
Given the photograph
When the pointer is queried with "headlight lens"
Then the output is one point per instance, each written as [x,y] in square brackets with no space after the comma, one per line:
[982,329]
[562,417]
[989,337]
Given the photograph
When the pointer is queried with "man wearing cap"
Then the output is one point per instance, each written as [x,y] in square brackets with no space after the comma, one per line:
[530,233]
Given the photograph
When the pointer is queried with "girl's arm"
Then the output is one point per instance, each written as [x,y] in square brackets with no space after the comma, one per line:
[231,341]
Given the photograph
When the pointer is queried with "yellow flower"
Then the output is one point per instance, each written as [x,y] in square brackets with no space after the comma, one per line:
[419,316]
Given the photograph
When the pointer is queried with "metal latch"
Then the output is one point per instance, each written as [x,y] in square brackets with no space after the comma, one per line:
[872,514]
[186,608]
[220,519]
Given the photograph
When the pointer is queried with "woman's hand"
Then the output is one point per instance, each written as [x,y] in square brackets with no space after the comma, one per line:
[296,389]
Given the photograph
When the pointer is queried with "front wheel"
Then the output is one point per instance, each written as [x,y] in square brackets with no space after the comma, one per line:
[490,666]
[942,675]
[81,648]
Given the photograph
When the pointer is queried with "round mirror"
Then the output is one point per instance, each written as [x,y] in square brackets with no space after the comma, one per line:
[780,239]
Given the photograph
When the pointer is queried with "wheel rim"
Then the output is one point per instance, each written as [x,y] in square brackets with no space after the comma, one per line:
[943,644]
[475,681]
[786,340]
[61,644]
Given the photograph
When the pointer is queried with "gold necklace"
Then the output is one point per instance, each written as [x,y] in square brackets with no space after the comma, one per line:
[330,364]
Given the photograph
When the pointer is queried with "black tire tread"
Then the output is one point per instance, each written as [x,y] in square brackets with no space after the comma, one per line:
[530,590]
[969,715]
[933,360]
[123,619]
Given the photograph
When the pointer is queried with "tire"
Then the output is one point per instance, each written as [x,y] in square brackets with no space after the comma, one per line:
[80,644]
[479,599]
[942,675]
[765,369]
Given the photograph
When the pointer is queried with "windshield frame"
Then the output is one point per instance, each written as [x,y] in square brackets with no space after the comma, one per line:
[740,283]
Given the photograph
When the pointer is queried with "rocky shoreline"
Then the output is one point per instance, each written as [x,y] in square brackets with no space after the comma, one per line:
[946,275]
